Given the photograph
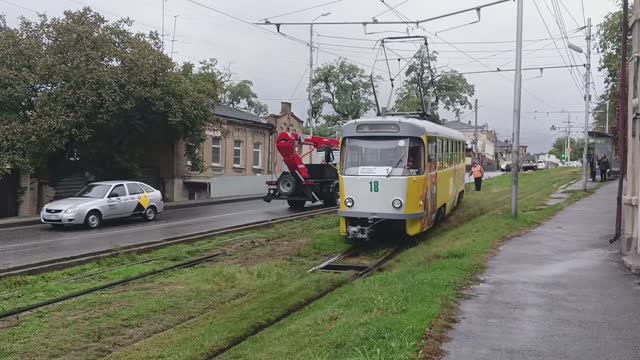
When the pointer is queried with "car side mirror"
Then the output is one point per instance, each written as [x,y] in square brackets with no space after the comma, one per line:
[114,195]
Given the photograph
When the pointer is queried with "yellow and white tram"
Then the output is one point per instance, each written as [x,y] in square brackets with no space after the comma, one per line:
[398,171]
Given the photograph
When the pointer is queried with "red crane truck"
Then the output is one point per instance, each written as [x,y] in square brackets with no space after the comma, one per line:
[305,182]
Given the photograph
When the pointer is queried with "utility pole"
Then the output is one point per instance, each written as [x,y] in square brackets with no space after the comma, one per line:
[310,89]
[475,133]
[173,37]
[568,137]
[587,99]
[517,101]
[606,126]
[162,25]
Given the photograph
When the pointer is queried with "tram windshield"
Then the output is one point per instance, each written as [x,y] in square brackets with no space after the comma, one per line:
[383,156]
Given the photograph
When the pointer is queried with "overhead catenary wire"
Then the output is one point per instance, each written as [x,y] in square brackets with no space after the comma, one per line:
[554,42]
[302,10]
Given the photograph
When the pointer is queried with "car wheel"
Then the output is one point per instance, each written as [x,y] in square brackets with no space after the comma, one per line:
[149,214]
[93,220]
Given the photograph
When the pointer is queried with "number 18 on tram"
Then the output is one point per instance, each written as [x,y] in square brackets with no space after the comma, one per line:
[398,173]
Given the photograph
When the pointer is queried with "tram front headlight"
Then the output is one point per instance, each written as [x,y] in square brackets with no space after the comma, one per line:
[396,203]
[348,202]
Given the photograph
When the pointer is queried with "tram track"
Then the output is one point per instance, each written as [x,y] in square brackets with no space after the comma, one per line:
[66,262]
[180,265]
[359,274]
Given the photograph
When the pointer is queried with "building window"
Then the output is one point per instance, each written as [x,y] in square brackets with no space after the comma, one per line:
[257,158]
[237,153]
[216,151]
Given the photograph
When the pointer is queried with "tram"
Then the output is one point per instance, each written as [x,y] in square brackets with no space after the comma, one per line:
[398,172]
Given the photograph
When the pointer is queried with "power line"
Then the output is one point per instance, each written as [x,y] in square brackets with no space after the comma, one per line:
[365,23]
[302,10]
[452,42]
[554,42]
[488,67]
[389,9]
[299,82]
[21,7]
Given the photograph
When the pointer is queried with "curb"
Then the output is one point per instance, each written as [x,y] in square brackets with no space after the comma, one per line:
[61,263]
[167,206]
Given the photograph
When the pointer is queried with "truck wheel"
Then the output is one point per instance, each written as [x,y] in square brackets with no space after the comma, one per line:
[296,204]
[333,198]
[286,184]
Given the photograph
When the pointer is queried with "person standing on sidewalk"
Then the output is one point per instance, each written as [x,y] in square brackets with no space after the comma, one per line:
[603,164]
[477,172]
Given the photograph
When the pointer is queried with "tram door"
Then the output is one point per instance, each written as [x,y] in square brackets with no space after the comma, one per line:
[432,181]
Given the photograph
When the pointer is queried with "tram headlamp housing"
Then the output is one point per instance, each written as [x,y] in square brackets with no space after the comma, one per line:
[396,203]
[348,202]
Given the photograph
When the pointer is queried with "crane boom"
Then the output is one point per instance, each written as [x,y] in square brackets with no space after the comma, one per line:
[286,143]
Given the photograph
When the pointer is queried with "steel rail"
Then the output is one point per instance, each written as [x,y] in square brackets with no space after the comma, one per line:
[61,263]
[303,305]
[180,265]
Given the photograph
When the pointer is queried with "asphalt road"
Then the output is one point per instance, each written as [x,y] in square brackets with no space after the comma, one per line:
[36,243]
[557,292]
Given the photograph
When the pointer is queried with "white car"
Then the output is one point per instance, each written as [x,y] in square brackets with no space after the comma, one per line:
[103,201]
[542,165]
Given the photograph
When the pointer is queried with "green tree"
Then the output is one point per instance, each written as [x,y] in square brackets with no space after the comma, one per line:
[448,90]
[608,44]
[559,148]
[83,86]
[240,95]
[342,87]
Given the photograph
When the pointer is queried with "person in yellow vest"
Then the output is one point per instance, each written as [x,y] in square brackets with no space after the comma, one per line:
[477,172]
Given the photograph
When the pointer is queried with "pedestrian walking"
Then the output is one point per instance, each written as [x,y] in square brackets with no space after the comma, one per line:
[477,172]
[603,164]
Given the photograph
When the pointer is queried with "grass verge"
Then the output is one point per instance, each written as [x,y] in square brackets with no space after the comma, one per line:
[388,315]
[191,313]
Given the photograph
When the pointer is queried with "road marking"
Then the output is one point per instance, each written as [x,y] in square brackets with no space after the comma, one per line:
[152,227]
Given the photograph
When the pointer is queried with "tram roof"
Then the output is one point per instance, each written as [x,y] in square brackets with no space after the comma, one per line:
[406,127]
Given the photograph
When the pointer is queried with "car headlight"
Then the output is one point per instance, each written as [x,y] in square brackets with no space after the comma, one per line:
[348,202]
[396,203]
[71,210]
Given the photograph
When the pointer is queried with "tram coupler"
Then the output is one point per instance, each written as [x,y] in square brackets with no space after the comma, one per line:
[360,232]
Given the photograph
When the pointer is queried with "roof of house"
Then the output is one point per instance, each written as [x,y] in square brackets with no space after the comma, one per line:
[459,125]
[284,114]
[227,112]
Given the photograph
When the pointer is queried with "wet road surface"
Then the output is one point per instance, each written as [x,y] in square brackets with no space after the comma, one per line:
[37,243]
[558,292]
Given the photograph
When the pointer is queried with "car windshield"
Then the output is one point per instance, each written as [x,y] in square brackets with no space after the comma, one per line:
[388,156]
[96,191]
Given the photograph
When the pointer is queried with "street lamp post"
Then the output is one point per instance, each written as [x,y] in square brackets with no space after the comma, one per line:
[587,99]
[311,70]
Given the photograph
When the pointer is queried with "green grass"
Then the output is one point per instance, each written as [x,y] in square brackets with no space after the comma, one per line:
[19,291]
[386,316]
[190,313]
[257,280]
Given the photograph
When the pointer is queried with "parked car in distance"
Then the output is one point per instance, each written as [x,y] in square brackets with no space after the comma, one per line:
[505,166]
[542,165]
[104,200]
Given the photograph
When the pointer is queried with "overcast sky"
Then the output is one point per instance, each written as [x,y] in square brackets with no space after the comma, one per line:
[278,66]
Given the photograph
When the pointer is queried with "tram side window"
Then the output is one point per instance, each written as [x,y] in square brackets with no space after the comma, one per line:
[415,158]
[439,154]
[431,153]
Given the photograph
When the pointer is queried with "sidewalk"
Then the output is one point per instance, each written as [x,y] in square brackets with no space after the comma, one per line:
[32,220]
[557,292]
